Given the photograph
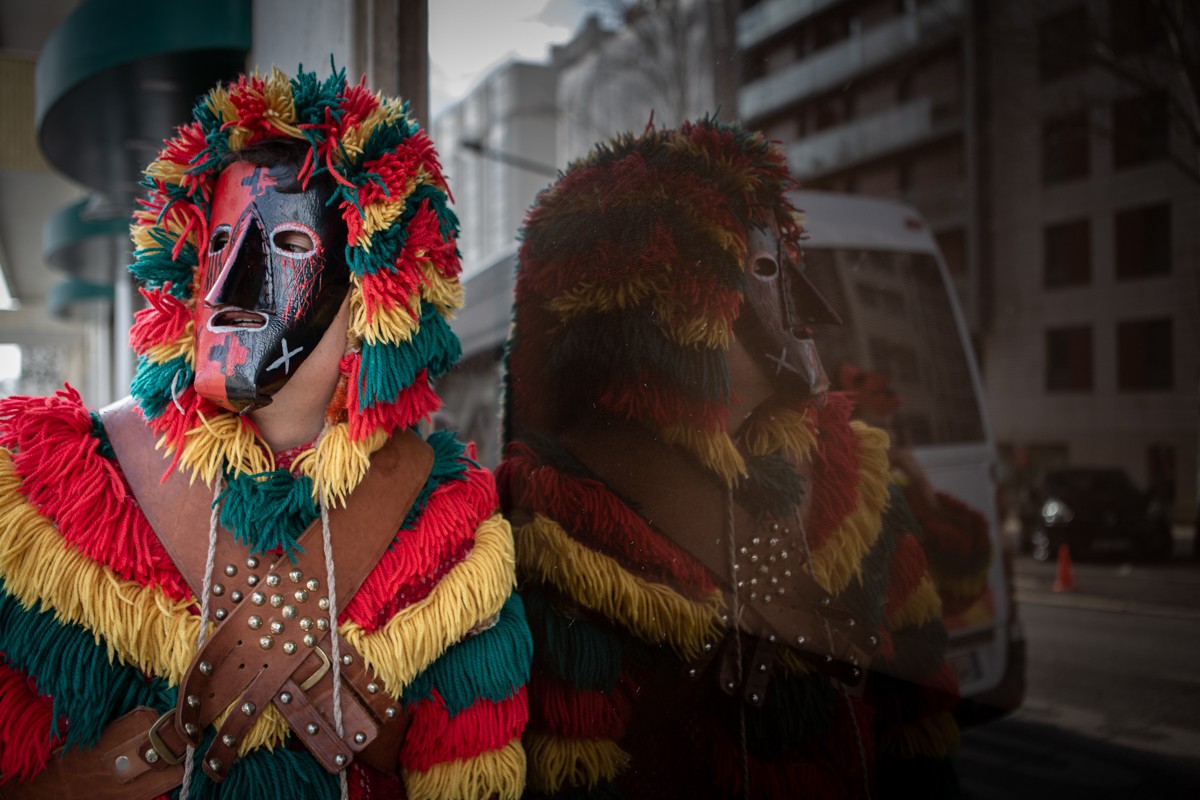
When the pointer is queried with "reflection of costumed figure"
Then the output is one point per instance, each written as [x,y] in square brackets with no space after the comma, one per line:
[289,208]
[954,535]
[674,463]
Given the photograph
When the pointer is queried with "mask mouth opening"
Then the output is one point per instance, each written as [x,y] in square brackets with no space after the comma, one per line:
[227,320]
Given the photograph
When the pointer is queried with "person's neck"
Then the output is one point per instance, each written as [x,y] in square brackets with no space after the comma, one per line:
[284,426]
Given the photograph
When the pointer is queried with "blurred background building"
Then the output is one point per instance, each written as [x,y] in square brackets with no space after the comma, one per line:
[1051,145]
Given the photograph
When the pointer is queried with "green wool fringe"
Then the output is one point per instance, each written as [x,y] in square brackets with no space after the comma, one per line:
[449,464]
[71,664]
[153,267]
[268,510]
[265,775]
[388,369]
[103,447]
[493,664]
[774,487]
[152,383]
[585,655]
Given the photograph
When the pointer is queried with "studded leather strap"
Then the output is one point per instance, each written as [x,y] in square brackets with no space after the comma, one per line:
[272,642]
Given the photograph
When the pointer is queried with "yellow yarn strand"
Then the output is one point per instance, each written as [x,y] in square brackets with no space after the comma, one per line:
[495,773]
[557,763]
[791,432]
[163,352]
[443,292]
[473,590]
[652,611]
[922,605]
[223,441]
[714,449]
[139,625]
[840,560]
[337,464]
[590,297]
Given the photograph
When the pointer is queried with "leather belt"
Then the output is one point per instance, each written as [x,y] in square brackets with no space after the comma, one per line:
[272,640]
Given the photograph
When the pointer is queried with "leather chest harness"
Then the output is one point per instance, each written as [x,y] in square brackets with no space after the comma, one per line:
[271,645]
[760,563]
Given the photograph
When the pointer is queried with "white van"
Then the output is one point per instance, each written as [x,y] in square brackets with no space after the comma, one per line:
[878,264]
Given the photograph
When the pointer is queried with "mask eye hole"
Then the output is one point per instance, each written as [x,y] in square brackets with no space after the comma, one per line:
[765,267]
[293,241]
[219,240]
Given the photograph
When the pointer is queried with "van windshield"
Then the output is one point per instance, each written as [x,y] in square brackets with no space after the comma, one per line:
[898,321]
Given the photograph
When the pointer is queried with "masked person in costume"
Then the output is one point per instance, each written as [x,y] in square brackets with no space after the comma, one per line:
[726,595]
[253,579]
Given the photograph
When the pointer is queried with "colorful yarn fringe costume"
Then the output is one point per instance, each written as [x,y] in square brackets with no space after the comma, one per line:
[954,535]
[95,619]
[631,278]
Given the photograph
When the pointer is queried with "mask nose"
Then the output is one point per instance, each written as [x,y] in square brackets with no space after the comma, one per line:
[245,282]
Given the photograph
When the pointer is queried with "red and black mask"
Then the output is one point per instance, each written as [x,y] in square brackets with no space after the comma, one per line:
[273,277]
[780,304]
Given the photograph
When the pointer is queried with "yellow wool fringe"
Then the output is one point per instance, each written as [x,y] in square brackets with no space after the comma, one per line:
[922,605]
[495,773]
[841,559]
[791,432]
[557,763]
[184,346]
[355,137]
[792,663]
[652,611]
[444,293]
[473,590]
[169,172]
[590,297]
[223,441]
[337,464]
[684,328]
[380,215]
[393,325]
[139,625]
[936,736]
[714,449]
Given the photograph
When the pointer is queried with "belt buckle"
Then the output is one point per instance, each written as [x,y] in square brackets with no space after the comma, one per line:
[159,745]
[319,673]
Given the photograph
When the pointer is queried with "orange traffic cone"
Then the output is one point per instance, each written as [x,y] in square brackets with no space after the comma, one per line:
[1064,579]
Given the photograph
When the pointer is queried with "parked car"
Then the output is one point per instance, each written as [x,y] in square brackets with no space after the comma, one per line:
[1092,511]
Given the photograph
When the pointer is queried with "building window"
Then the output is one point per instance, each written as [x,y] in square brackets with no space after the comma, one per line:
[1062,44]
[1067,254]
[1069,359]
[1145,355]
[1065,150]
[1140,131]
[1143,241]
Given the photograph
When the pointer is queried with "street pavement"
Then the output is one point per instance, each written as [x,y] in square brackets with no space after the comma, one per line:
[1112,705]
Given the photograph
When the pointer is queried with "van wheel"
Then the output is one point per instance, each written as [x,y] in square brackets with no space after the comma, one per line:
[1041,547]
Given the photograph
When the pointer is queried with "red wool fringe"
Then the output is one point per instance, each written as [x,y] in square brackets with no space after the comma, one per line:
[82,492]
[561,709]
[164,321]
[414,403]
[454,511]
[835,470]
[600,521]
[25,721]
[657,406]
[906,569]
[435,737]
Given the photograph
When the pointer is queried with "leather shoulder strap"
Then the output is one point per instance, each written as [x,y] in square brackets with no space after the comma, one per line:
[179,508]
